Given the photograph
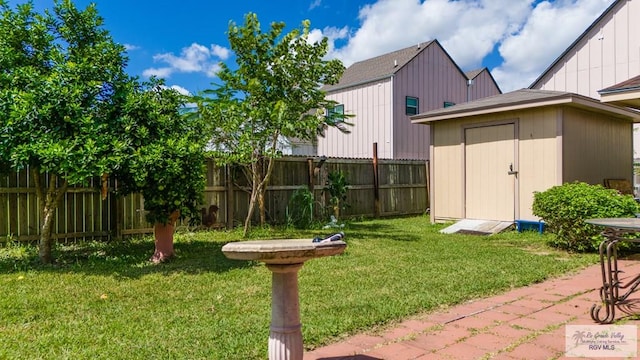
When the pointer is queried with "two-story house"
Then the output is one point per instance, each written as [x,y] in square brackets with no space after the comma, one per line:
[384,91]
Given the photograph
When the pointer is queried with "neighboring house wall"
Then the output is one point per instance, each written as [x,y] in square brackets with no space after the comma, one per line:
[433,78]
[483,85]
[378,105]
[371,105]
[606,54]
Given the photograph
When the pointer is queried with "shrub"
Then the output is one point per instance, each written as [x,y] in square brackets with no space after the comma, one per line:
[300,209]
[337,187]
[564,209]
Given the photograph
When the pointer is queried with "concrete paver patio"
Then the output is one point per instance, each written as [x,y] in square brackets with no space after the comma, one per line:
[524,323]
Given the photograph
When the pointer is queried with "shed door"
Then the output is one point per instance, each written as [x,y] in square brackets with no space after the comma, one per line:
[490,172]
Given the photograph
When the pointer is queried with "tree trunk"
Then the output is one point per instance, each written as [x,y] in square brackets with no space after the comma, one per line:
[259,180]
[49,203]
[163,234]
[261,191]
[45,244]
[263,212]
[247,221]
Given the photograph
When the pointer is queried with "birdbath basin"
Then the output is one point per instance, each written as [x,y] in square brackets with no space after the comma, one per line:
[284,258]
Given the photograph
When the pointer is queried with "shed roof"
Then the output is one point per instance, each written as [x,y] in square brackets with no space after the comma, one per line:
[626,93]
[523,99]
[377,68]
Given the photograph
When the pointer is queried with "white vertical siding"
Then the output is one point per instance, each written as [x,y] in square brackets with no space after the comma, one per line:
[607,55]
[371,105]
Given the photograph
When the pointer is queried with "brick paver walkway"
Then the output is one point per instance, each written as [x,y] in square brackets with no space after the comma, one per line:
[525,323]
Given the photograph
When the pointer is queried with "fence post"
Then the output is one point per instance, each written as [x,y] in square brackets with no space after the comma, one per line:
[311,171]
[376,182]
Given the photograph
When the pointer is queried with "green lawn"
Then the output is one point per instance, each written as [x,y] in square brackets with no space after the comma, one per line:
[105,301]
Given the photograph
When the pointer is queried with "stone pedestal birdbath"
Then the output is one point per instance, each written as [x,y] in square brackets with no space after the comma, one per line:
[284,258]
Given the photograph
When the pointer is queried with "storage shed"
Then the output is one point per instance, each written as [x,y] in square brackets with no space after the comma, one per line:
[489,156]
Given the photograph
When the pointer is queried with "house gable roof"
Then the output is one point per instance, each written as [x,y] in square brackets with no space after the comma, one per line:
[474,73]
[377,68]
[471,75]
[576,42]
[522,99]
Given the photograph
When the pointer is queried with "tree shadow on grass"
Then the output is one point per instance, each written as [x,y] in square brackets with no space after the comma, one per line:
[127,259]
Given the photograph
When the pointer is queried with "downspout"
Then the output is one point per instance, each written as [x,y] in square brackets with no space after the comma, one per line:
[470,83]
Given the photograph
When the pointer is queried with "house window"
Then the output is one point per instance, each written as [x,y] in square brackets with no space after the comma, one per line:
[411,105]
[448,103]
[336,110]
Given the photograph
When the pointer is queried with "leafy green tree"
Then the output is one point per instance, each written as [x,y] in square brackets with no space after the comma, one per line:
[60,76]
[274,93]
[166,162]
[69,110]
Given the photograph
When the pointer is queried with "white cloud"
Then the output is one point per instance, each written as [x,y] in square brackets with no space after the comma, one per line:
[221,52]
[130,47]
[180,89]
[314,4]
[333,34]
[469,30]
[550,29]
[157,72]
[195,58]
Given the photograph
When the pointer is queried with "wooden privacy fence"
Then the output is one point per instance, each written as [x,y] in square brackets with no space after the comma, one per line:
[400,188]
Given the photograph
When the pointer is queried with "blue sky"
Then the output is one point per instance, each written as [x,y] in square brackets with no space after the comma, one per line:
[183,41]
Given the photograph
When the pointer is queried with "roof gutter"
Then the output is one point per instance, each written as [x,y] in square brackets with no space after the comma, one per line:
[490,109]
[618,91]
[337,88]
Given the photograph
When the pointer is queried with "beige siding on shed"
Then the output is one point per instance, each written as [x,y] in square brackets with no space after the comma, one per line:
[537,162]
[538,156]
[447,179]
[607,144]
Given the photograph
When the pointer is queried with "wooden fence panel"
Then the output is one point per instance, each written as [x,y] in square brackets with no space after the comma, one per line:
[83,214]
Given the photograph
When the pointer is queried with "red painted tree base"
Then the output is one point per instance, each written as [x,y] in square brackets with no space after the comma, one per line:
[163,234]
